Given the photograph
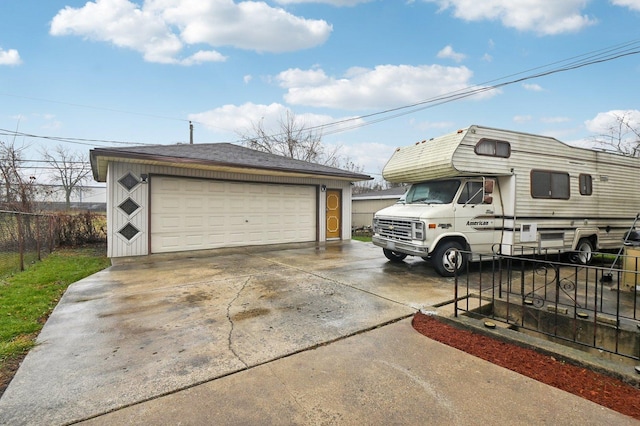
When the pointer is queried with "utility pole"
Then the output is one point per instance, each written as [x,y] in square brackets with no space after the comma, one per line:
[190,133]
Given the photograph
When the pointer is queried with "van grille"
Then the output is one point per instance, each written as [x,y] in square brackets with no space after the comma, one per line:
[395,229]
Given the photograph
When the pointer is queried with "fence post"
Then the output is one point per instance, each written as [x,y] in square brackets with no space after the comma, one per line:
[51,225]
[20,240]
[38,237]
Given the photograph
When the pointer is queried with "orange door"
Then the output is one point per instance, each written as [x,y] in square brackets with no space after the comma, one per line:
[333,213]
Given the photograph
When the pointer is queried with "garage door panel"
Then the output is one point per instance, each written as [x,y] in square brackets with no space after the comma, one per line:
[170,241]
[169,223]
[171,184]
[215,239]
[194,222]
[191,214]
[215,224]
[193,240]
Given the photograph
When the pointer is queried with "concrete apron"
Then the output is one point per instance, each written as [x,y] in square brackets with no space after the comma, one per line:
[137,331]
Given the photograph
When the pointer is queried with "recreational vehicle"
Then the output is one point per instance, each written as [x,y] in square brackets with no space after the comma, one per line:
[482,191]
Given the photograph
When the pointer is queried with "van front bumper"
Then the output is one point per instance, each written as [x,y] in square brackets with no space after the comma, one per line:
[400,246]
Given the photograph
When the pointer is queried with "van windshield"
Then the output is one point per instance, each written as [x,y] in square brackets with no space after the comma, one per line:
[433,192]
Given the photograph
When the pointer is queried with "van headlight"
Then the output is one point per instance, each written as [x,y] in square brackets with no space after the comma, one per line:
[417,230]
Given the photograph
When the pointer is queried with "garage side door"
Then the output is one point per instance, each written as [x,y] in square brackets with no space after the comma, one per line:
[195,214]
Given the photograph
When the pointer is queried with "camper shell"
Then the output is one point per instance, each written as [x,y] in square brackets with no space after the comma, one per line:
[507,192]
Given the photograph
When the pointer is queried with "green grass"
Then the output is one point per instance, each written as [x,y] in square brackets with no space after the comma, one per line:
[9,263]
[365,238]
[27,298]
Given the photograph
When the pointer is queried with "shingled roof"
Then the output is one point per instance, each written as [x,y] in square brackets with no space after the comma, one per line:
[214,156]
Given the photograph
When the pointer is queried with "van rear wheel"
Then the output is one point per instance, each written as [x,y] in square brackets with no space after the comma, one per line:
[448,259]
[394,256]
[583,253]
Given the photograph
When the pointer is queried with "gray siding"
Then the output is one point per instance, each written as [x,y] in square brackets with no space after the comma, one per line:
[363,210]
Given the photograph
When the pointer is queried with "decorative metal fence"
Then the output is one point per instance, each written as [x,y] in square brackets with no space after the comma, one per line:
[585,306]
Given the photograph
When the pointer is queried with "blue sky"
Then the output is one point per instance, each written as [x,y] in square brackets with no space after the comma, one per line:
[112,71]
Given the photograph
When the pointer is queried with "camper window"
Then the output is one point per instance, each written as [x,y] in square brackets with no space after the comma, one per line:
[493,148]
[546,184]
[586,184]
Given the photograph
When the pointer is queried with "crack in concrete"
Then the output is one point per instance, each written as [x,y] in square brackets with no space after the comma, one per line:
[335,281]
[230,336]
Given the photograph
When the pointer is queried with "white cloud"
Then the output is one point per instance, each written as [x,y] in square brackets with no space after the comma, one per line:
[448,52]
[631,4]
[247,78]
[430,125]
[545,17]
[241,119]
[604,121]
[384,86]
[372,156]
[295,77]
[607,132]
[52,124]
[532,87]
[203,56]
[522,119]
[163,29]
[10,57]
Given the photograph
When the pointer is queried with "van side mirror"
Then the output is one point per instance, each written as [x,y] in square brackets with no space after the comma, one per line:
[488,199]
[488,186]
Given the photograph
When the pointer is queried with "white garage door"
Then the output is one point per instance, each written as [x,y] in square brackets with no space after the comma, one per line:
[195,214]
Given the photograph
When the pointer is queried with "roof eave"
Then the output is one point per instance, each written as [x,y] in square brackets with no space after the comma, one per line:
[101,158]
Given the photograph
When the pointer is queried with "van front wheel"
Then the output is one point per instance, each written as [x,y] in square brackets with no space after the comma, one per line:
[394,256]
[448,259]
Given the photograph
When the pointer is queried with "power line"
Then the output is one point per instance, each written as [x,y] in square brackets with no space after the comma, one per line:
[48,162]
[100,108]
[580,61]
[586,59]
[80,141]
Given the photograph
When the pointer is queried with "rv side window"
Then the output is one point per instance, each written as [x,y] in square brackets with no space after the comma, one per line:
[546,184]
[471,193]
[493,148]
[586,184]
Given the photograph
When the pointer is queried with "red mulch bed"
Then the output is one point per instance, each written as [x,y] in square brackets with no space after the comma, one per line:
[599,388]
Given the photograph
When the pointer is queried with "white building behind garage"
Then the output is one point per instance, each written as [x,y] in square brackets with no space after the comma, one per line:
[366,204]
[170,198]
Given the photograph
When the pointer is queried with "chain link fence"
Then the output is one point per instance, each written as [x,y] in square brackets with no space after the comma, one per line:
[26,238]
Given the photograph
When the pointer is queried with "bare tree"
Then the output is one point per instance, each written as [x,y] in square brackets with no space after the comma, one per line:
[71,170]
[294,140]
[375,185]
[621,136]
[17,189]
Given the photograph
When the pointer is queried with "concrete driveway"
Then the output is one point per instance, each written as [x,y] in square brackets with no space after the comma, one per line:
[225,337]
[152,326]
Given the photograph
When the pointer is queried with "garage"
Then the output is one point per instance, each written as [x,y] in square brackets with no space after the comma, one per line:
[187,197]
[196,214]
